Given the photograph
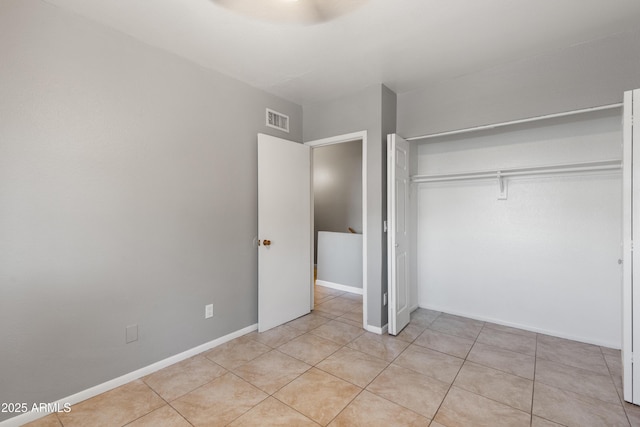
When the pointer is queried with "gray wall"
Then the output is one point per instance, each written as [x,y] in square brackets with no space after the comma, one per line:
[368,110]
[128,194]
[581,76]
[337,188]
[340,260]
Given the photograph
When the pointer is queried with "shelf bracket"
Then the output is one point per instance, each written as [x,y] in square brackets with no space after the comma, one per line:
[502,187]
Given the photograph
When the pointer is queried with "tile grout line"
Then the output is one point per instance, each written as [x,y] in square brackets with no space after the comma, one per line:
[389,363]
[304,361]
[589,372]
[144,415]
[488,367]
[621,397]
[315,366]
[311,367]
[347,405]
[509,373]
[413,343]
[458,373]
[179,413]
[533,385]
[498,369]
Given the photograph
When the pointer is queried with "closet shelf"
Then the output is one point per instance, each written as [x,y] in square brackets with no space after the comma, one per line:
[514,122]
[599,165]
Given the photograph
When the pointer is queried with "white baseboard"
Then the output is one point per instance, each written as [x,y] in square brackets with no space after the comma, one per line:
[377,330]
[339,287]
[523,327]
[124,379]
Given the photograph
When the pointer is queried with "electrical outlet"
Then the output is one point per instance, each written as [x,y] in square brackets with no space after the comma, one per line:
[208,311]
[384,299]
[131,333]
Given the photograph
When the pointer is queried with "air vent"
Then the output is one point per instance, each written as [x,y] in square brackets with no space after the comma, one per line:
[277,120]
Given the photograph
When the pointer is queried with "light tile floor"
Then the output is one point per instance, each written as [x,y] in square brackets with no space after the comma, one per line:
[324,369]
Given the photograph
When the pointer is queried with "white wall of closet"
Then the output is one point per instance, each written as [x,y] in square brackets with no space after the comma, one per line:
[539,253]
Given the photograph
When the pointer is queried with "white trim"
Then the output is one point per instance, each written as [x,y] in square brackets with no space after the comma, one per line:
[312,237]
[629,256]
[339,287]
[514,122]
[564,168]
[127,378]
[521,326]
[354,136]
[361,135]
[377,330]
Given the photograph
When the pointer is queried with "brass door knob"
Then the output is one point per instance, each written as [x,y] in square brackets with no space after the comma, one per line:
[266,242]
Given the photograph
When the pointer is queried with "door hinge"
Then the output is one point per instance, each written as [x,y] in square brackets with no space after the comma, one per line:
[384,226]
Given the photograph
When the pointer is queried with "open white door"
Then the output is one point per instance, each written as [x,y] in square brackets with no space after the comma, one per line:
[284,231]
[631,258]
[398,237]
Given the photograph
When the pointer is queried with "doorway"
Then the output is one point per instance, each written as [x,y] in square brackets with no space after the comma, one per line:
[360,137]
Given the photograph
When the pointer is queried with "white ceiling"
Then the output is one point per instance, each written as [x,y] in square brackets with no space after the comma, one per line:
[405,44]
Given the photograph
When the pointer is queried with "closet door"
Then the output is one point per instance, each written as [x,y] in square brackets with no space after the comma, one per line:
[398,238]
[631,258]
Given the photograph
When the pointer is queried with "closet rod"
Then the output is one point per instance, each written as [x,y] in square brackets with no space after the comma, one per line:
[515,122]
[600,165]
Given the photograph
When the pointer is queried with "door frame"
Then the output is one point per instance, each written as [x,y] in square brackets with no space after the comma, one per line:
[630,257]
[339,139]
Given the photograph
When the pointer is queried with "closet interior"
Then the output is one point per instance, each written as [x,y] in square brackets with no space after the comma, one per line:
[520,224]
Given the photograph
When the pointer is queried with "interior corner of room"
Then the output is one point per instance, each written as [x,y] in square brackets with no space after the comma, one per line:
[129,200]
